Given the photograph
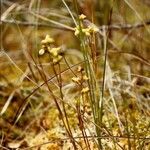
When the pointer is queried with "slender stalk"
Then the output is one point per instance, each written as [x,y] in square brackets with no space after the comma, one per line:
[64,113]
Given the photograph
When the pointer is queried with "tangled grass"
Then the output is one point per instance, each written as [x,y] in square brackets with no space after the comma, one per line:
[75,75]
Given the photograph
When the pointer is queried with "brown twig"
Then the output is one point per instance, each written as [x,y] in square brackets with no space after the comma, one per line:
[119,26]
[112,27]
[25,23]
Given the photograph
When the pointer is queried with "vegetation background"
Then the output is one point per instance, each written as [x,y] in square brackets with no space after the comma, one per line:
[92,91]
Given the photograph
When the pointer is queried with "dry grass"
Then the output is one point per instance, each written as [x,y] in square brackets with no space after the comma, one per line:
[88,89]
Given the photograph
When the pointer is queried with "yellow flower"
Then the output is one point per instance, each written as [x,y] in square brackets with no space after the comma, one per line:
[93,28]
[80,69]
[85,90]
[76,80]
[85,78]
[47,40]
[76,31]
[54,51]
[82,17]
[86,31]
[41,51]
[57,59]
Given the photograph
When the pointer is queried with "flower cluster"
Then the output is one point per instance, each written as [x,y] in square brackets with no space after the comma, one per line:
[80,81]
[86,31]
[53,51]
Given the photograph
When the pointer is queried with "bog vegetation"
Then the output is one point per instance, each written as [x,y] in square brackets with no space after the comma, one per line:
[75,74]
